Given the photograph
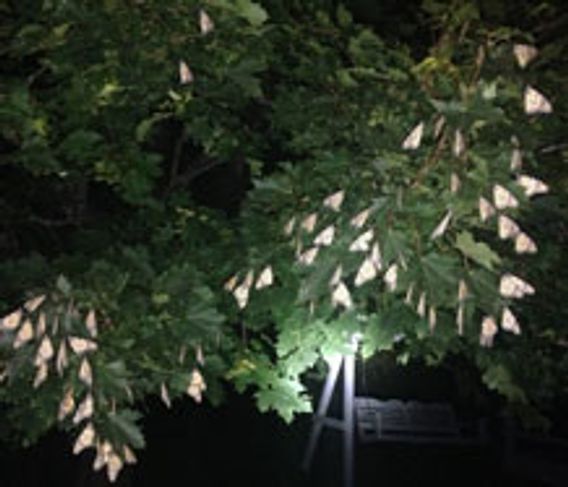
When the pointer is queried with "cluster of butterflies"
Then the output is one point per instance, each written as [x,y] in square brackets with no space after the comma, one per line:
[20,326]
[206,25]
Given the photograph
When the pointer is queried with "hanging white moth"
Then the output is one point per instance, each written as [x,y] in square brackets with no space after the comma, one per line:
[336,278]
[391,277]
[24,335]
[421,307]
[414,138]
[205,23]
[536,102]
[85,440]
[104,451]
[359,220]
[66,406]
[532,186]
[458,147]
[45,351]
[241,293]
[86,373]
[41,325]
[11,321]
[516,163]
[442,226]
[507,227]
[524,54]
[341,296]
[265,279]
[196,386]
[432,318]
[91,324]
[455,183]
[503,198]
[309,223]
[231,283]
[34,303]
[129,456]
[325,237]
[335,200]
[85,409]
[308,257]
[512,286]
[367,272]
[114,466]
[462,290]
[61,361]
[199,357]
[165,395]
[376,258]
[409,295]
[524,244]
[509,322]
[362,242]
[289,227]
[459,319]
[439,125]
[185,74]
[41,375]
[488,331]
[81,346]
[486,209]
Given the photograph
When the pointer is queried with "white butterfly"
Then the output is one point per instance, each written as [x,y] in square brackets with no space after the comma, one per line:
[459,319]
[114,466]
[231,283]
[509,322]
[341,296]
[458,147]
[455,183]
[308,257]
[367,272]
[41,375]
[512,286]
[516,163]
[442,226]
[41,325]
[325,237]
[336,278]
[391,277]
[409,294]
[362,242]
[86,373]
[486,209]
[376,258]
[532,186]
[536,102]
[488,331]
[34,303]
[241,293]
[524,244]
[11,321]
[413,139]
[196,386]
[61,361]
[503,198]
[421,307]
[185,74]
[462,290]
[82,345]
[265,279]
[507,227]
[524,54]
[91,324]
[45,351]
[25,334]
[309,222]
[85,440]
[360,218]
[85,409]
[165,395]
[289,227]
[335,200]
[66,406]
[205,23]
[129,456]
[104,451]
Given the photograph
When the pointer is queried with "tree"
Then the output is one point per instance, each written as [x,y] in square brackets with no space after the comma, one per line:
[389,199]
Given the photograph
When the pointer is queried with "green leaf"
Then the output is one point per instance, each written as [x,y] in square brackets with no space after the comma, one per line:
[124,423]
[252,12]
[479,252]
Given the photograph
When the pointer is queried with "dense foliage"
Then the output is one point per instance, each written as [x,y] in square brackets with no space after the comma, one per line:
[130,133]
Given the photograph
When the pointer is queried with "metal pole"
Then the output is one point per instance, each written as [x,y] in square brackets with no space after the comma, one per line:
[323,406]
[348,419]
